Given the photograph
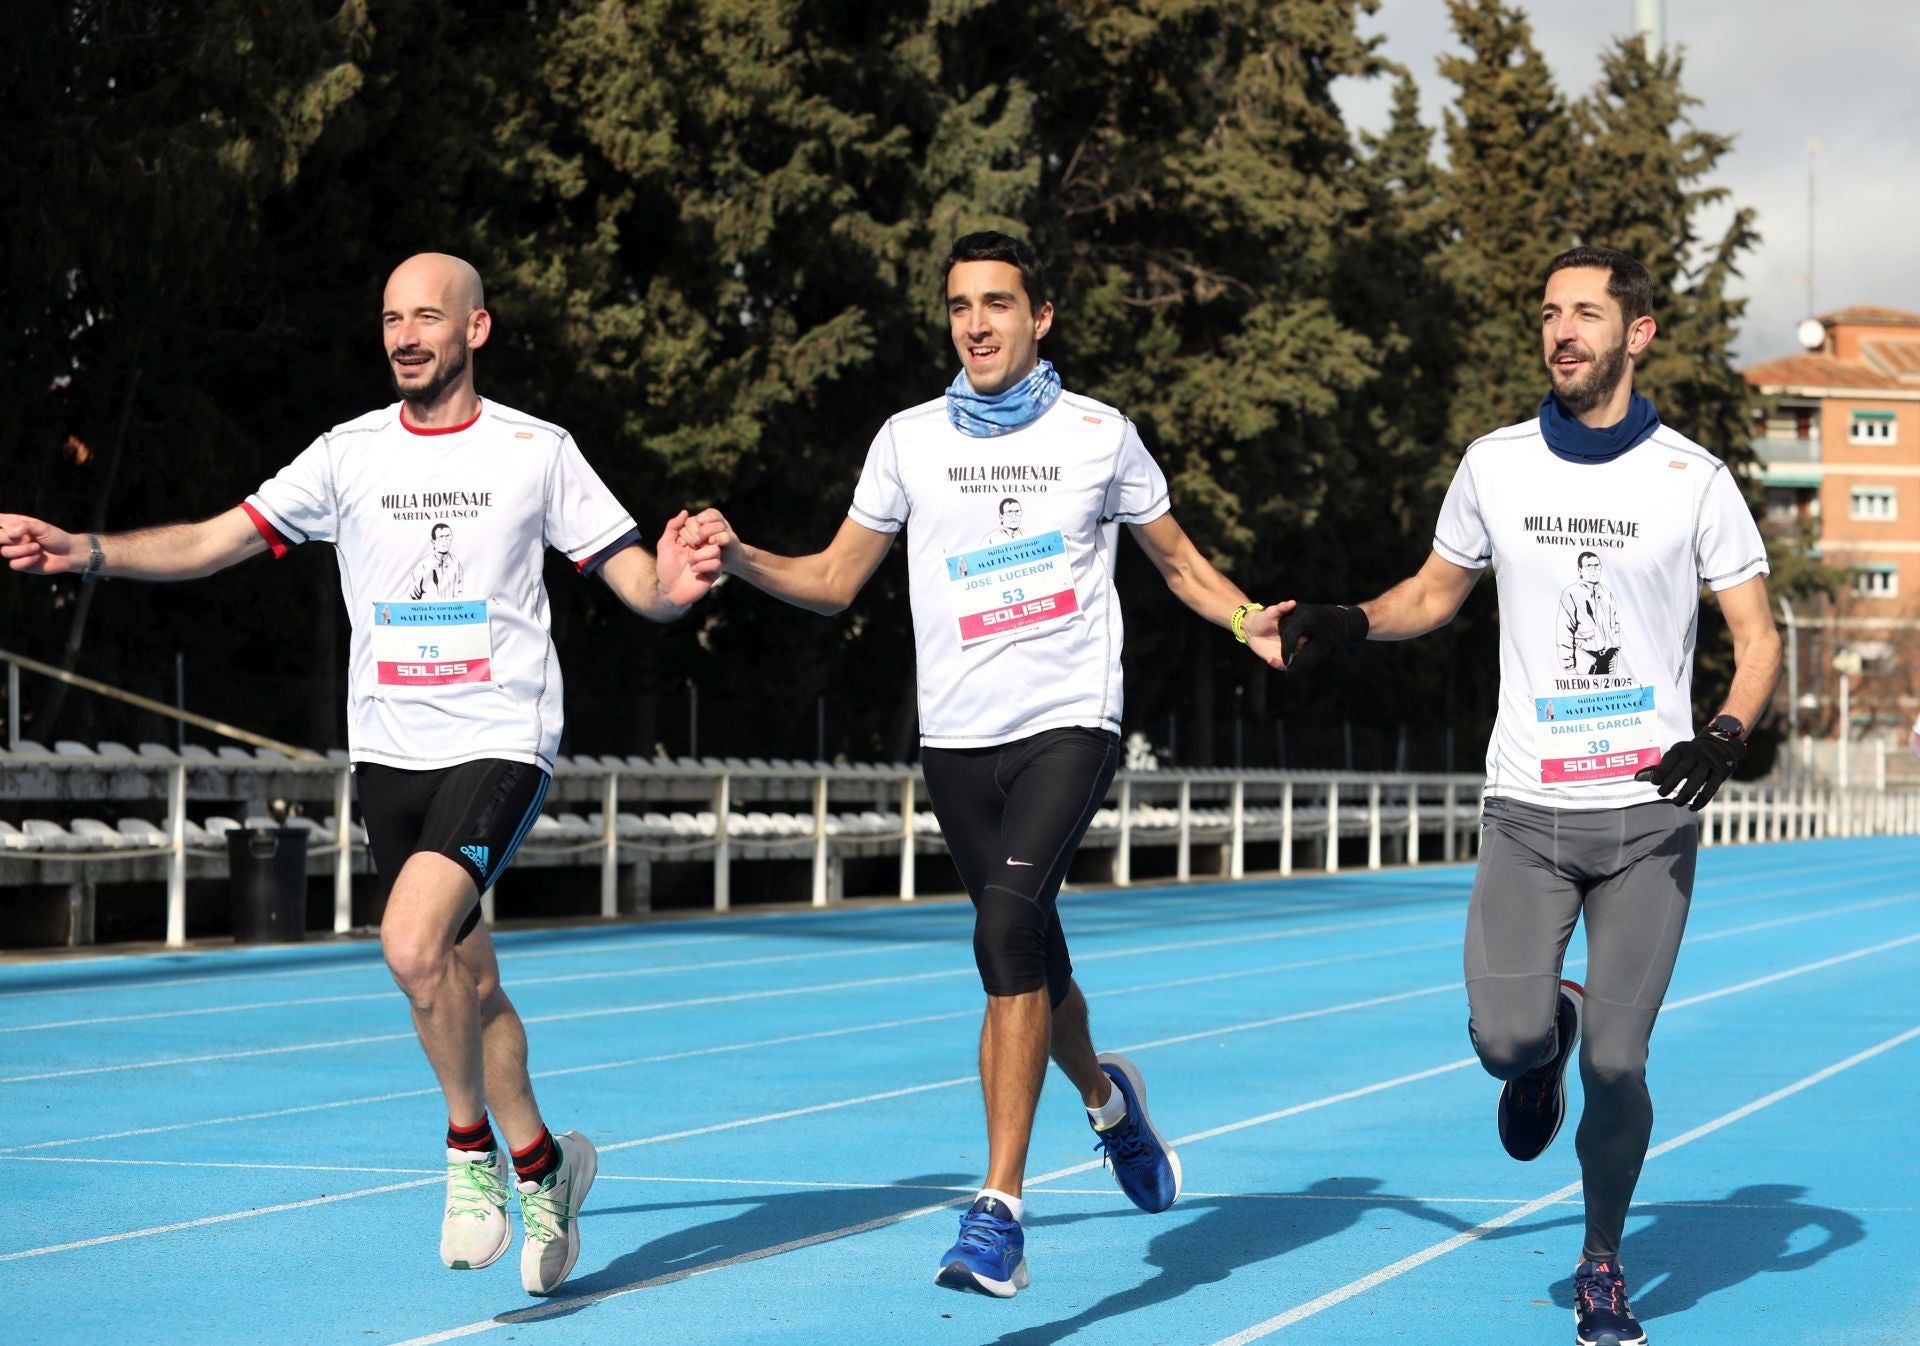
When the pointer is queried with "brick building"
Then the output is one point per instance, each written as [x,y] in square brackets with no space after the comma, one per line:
[1837,431]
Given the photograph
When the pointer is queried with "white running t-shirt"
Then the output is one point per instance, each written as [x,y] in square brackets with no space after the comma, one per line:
[1599,569]
[441,536]
[1010,554]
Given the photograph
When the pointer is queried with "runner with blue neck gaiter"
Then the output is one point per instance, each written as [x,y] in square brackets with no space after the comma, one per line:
[1010,490]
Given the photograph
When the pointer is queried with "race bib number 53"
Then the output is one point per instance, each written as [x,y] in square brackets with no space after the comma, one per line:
[1014,588]
[431,644]
[1596,735]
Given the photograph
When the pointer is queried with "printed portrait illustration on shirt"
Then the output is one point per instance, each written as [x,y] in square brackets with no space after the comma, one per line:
[1008,528]
[1587,626]
[440,574]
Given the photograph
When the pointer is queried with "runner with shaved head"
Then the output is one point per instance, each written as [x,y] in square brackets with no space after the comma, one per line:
[454,706]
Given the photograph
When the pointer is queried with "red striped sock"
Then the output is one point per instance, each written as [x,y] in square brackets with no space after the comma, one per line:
[479,1136]
[534,1163]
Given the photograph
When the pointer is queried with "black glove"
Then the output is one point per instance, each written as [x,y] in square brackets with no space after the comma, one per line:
[1313,631]
[1693,771]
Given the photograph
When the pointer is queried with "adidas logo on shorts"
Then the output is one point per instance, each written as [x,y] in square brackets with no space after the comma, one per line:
[477,854]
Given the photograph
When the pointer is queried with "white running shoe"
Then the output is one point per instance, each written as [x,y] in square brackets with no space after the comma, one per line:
[549,1211]
[474,1231]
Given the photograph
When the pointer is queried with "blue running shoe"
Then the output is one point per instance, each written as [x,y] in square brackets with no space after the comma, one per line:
[1144,1165]
[991,1255]
[1601,1314]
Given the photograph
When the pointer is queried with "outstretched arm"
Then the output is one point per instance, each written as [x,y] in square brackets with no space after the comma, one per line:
[825,582]
[664,585]
[181,551]
[1413,607]
[1196,582]
[1425,602]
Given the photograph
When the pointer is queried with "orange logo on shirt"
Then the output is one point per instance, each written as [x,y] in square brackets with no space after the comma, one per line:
[523,434]
[1679,464]
[1091,420]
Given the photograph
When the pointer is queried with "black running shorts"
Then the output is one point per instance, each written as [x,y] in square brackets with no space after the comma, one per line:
[476,814]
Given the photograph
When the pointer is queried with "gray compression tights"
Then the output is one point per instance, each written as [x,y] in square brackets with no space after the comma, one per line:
[1631,871]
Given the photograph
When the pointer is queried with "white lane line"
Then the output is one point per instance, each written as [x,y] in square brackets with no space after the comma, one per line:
[364,959]
[350,963]
[694,1002]
[1272,1325]
[212,1163]
[218,1219]
[1834,961]
[835,953]
[1375,1279]
[388,994]
[797,1184]
[971,1011]
[836,1104]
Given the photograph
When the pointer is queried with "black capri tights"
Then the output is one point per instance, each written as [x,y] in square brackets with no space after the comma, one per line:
[1013,816]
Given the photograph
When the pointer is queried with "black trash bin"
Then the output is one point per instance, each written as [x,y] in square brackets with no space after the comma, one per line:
[267,871]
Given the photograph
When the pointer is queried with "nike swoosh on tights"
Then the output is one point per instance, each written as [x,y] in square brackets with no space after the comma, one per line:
[1026,863]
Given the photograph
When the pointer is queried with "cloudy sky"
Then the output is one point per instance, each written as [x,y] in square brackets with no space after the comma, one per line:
[1775,74]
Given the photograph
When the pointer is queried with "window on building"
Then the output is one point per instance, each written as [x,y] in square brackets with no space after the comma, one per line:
[1877,581]
[1871,427]
[1875,502]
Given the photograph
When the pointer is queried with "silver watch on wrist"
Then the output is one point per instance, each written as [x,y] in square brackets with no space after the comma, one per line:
[96,558]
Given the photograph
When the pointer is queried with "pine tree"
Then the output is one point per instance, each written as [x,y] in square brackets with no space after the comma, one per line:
[1642,190]
[1508,187]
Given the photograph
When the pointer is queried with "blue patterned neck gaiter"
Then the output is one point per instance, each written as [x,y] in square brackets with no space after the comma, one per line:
[983,416]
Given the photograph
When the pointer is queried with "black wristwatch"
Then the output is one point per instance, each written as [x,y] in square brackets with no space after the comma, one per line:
[1728,728]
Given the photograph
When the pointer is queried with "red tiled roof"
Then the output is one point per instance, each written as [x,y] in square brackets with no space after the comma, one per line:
[1898,358]
[1872,314]
[1818,371]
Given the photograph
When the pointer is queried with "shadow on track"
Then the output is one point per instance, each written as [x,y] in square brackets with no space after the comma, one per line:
[1227,1234]
[1690,1252]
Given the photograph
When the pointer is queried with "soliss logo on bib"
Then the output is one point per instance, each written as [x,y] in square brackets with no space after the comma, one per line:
[1015,588]
[1596,735]
[432,644]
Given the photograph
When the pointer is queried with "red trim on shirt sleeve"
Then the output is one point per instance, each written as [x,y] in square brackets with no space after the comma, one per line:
[279,544]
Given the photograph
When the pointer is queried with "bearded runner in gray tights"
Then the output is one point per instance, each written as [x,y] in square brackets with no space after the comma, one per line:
[1590,766]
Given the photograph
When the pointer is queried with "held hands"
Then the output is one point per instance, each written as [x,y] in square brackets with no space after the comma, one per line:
[38,548]
[710,528]
[1262,630]
[686,568]
[1692,772]
[1311,632]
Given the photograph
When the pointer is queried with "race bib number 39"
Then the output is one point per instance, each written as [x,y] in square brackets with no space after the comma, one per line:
[1596,735]
[1019,587]
[431,644]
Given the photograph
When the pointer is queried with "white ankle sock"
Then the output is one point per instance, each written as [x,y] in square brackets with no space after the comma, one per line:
[1111,1112]
[1015,1206]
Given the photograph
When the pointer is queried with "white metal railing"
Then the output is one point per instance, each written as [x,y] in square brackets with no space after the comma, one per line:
[1185,810]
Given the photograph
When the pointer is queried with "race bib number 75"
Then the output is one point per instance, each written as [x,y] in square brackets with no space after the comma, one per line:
[431,644]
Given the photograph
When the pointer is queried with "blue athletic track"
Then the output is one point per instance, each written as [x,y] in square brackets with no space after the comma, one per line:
[245,1145]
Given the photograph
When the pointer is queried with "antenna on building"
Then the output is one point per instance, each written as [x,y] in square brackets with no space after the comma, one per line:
[1813,157]
[1650,21]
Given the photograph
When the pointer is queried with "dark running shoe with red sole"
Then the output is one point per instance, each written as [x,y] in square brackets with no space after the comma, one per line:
[1533,1105]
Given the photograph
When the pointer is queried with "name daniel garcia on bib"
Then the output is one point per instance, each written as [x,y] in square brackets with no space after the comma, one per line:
[1578,532]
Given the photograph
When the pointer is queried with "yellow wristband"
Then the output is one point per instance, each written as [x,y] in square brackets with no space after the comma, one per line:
[1237,624]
